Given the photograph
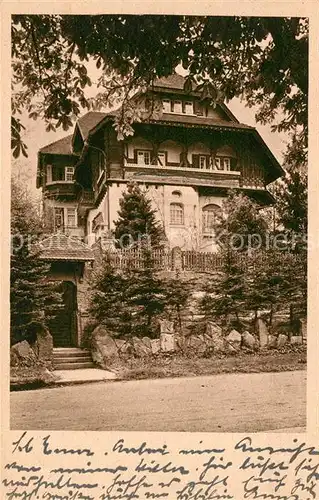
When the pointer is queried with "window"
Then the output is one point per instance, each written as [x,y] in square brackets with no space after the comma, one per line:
[69,172]
[222,163]
[144,157]
[210,216]
[218,163]
[188,108]
[166,106]
[203,163]
[226,162]
[57,173]
[176,194]
[177,107]
[177,214]
[64,217]
[58,217]
[71,217]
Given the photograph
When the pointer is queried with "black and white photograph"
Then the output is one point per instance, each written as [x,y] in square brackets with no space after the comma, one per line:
[158,268]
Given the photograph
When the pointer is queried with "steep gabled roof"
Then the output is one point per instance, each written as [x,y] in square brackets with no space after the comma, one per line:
[176,82]
[89,121]
[61,147]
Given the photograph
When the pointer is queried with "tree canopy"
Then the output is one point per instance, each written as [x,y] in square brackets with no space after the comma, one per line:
[264,60]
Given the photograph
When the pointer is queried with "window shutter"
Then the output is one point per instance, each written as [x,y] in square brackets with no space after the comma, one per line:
[198,108]
[49,174]
[195,161]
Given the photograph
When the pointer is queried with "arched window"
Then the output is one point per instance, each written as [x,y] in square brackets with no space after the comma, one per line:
[177,214]
[210,215]
[176,194]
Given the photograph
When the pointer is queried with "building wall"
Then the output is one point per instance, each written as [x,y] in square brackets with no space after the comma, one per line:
[50,204]
[188,235]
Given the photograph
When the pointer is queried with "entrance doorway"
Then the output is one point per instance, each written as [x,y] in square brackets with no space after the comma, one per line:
[63,327]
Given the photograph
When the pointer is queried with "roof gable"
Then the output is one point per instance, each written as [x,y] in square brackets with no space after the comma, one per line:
[61,147]
[89,121]
[175,82]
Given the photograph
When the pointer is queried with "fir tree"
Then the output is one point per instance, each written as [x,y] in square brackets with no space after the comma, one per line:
[177,293]
[109,301]
[147,294]
[240,231]
[33,298]
[127,301]
[136,219]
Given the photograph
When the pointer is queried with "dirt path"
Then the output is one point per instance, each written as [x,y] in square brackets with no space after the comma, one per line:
[217,403]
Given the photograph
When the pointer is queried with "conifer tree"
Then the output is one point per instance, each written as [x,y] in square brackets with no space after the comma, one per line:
[33,298]
[136,219]
[109,301]
[241,229]
[147,294]
[128,300]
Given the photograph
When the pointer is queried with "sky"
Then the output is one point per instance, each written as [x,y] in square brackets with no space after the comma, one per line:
[36,137]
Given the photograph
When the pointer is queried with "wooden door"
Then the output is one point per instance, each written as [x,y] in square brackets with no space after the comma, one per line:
[63,327]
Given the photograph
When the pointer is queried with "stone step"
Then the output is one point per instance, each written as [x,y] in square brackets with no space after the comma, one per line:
[71,359]
[71,355]
[69,352]
[74,366]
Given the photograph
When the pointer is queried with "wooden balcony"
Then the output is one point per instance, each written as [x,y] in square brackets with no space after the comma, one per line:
[60,189]
[181,175]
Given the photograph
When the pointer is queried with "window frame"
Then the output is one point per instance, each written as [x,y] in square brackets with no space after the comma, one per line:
[67,209]
[141,152]
[209,211]
[179,103]
[167,102]
[176,208]
[184,106]
[206,164]
[64,217]
[52,170]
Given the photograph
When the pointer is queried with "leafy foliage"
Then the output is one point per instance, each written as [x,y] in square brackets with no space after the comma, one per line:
[33,299]
[262,59]
[241,224]
[136,219]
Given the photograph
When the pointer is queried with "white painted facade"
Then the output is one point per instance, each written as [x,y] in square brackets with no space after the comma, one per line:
[188,234]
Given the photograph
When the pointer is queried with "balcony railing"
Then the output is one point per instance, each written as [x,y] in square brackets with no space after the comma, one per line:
[190,175]
[182,169]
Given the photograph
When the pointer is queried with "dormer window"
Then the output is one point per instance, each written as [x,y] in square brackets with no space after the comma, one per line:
[188,108]
[166,106]
[178,107]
